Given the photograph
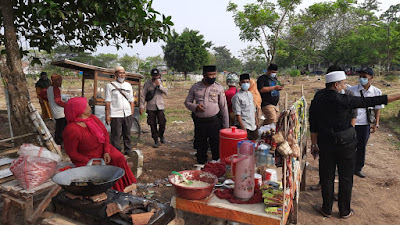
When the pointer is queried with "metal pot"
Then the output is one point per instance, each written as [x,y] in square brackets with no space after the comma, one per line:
[90,179]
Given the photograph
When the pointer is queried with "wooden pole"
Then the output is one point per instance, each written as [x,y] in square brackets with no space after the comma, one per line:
[16,137]
[284,163]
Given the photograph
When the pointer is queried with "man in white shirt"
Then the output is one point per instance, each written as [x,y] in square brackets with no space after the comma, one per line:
[363,126]
[119,110]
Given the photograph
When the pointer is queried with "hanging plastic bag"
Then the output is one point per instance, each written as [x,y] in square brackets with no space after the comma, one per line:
[32,169]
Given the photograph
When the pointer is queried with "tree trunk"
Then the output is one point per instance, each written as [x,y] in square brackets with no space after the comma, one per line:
[13,75]
[185,73]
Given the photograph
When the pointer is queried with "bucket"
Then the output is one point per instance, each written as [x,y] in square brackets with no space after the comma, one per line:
[228,139]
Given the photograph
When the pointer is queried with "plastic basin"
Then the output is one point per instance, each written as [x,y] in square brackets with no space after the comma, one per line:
[193,193]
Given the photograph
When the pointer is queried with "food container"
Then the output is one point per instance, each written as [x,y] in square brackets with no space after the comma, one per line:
[228,140]
[193,193]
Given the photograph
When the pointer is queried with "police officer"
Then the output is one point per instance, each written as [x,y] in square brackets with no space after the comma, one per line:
[334,139]
[206,99]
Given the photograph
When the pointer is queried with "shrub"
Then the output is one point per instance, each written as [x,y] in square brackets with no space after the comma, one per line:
[294,73]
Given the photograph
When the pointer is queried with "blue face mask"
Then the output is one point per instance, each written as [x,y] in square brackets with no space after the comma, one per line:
[245,86]
[273,74]
[363,81]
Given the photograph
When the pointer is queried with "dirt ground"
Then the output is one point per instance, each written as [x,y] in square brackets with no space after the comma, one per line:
[375,198]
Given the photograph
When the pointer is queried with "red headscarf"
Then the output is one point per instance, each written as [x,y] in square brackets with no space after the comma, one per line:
[74,108]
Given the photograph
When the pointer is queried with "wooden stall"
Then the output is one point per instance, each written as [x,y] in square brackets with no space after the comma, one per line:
[100,76]
[292,172]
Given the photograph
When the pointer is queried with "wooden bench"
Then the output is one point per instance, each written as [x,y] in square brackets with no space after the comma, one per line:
[15,196]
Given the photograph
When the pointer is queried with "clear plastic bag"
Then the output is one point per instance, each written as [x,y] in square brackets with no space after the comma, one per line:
[33,150]
[32,169]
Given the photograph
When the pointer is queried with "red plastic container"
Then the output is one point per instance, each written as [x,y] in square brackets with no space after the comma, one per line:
[228,139]
[193,193]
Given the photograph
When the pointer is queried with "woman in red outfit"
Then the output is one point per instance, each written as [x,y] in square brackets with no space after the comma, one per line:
[85,138]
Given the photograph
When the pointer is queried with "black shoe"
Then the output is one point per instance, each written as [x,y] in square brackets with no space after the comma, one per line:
[127,152]
[156,143]
[162,140]
[360,174]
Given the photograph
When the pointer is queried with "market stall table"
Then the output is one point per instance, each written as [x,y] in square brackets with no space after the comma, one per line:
[219,208]
[14,195]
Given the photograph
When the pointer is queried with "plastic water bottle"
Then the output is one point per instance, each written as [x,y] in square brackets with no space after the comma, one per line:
[274,93]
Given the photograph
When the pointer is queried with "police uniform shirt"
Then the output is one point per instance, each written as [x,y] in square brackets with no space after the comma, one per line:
[331,111]
[213,99]
[267,98]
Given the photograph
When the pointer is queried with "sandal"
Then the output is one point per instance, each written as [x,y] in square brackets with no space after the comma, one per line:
[318,209]
[349,215]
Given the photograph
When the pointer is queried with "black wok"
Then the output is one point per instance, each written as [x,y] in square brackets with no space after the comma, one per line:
[90,179]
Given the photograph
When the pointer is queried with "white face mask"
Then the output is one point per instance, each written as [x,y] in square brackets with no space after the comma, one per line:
[342,92]
[120,79]
[273,74]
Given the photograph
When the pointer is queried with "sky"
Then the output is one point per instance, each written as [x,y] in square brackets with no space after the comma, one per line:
[207,16]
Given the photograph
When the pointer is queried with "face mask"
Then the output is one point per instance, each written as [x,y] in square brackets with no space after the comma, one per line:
[245,86]
[210,80]
[273,74]
[342,92]
[120,79]
[363,81]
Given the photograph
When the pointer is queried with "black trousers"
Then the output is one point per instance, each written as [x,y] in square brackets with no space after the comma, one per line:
[330,156]
[363,132]
[121,126]
[60,125]
[155,117]
[207,131]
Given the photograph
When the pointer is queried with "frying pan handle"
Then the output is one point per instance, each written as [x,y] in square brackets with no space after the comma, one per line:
[97,159]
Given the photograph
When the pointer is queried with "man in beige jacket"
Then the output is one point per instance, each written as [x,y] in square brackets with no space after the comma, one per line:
[153,93]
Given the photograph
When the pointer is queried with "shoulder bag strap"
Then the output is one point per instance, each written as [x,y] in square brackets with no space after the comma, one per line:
[366,109]
[120,91]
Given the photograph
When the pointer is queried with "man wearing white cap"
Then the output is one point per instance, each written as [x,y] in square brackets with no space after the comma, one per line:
[119,110]
[334,139]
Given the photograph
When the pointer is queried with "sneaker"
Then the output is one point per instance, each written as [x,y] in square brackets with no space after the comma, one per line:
[349,215]
[318,209]
[360,174]
[162,140]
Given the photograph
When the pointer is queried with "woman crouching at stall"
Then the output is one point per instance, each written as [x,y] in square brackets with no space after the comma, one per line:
[86,137]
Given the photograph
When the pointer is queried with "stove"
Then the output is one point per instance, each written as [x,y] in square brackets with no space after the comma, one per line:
[118,205]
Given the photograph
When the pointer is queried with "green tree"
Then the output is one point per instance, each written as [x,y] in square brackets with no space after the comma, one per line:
[263,22]
[130,63]
[82,24]
[186,52]
[105,60]
[224,59]
[318,30]
[253,61]
[152,62]
[392,18]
